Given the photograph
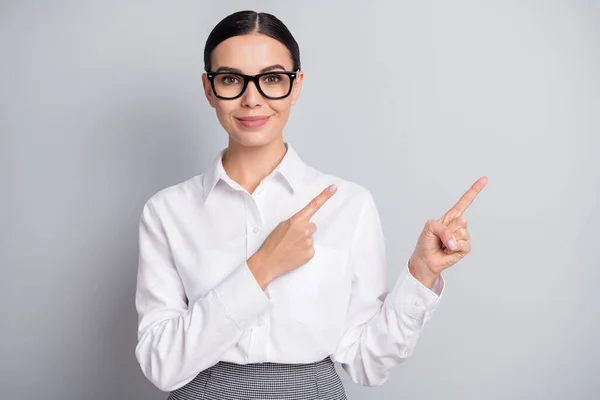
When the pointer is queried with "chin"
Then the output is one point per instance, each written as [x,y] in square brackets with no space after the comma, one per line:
[253,138]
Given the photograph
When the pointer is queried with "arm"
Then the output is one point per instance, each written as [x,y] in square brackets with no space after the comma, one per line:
[381,328]
[176,341]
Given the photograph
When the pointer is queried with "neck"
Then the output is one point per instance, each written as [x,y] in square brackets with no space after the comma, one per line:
[249,165]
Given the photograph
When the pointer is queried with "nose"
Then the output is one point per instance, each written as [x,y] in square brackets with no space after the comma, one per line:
[251,97]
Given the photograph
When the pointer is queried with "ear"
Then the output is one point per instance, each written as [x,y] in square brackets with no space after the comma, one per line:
[297,86]
[208,91]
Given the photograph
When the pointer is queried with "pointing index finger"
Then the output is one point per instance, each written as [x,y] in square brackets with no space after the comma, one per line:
[465,201]
[307,212]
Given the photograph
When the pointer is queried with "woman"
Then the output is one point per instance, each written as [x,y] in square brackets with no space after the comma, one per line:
[239,294]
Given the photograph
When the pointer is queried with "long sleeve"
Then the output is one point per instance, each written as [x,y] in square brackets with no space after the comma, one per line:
[382,328]
[176,341]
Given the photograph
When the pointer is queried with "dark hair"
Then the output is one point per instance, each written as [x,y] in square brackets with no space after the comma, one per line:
[245,22]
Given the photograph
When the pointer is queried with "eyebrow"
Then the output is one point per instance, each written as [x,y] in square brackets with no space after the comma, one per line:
[239,71]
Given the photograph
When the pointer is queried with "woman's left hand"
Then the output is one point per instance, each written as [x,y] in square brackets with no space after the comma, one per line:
[444,242]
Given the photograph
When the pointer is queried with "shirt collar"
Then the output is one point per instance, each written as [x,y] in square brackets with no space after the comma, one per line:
[291,167]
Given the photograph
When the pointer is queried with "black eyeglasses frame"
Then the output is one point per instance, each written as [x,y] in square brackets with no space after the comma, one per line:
[252,78]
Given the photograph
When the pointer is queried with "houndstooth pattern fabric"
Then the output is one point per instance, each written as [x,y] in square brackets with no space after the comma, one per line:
[264,381]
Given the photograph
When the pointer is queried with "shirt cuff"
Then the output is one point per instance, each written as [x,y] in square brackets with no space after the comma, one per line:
[242,297]
[414,298]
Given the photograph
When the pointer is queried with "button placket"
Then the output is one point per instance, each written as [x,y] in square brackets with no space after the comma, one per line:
[253,224]
[257,351]
[259,339]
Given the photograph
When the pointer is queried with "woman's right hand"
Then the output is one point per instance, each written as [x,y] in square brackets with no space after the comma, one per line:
[290,244]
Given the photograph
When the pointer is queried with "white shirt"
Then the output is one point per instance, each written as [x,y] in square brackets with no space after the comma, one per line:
[198,302]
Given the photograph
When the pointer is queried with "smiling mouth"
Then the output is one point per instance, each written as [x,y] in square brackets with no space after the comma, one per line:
[253,122]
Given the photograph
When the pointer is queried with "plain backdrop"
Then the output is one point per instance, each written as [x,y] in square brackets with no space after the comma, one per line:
[101,106]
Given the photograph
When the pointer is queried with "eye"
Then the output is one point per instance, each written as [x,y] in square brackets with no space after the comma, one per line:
[229,79]
[272,78]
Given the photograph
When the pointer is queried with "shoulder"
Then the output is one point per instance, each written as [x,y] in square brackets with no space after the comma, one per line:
[176,196]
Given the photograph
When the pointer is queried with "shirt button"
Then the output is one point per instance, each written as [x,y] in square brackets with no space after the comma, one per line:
[255,230]
[418,303]
[260,322]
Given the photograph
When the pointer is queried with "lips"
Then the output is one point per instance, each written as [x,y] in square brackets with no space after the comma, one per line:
[253,121]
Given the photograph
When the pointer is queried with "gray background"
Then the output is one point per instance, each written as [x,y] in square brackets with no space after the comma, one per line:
[101,105]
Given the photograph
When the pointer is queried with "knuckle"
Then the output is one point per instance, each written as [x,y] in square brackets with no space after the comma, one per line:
[314,203]
[451,217]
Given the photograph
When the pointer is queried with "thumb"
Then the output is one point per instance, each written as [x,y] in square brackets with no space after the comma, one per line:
[444,233]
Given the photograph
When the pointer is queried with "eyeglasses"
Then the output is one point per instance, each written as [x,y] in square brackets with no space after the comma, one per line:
[273,85]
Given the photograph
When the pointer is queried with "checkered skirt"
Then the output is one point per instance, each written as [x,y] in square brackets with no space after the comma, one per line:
[265,381]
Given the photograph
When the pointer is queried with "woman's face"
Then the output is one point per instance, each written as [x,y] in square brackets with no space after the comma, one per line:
[252,54]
